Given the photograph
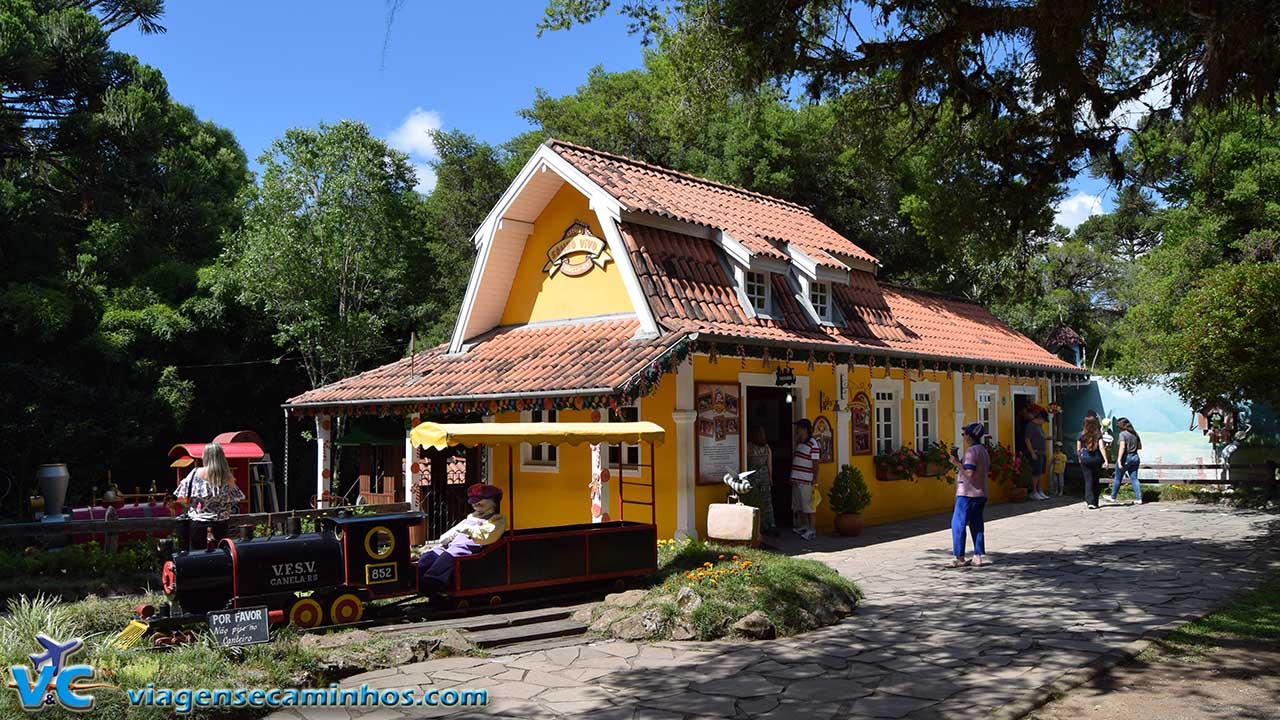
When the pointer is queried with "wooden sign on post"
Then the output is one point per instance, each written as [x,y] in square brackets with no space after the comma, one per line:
[240,626]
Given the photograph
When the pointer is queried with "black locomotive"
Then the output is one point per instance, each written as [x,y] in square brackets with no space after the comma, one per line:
[327,577]
[350,561]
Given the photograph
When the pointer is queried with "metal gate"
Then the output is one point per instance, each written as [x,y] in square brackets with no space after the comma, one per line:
[442,494]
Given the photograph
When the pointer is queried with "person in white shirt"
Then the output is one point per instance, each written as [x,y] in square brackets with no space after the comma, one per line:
[804,467]
[211,496]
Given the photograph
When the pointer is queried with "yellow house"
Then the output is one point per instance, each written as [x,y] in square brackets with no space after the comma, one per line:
[608,289]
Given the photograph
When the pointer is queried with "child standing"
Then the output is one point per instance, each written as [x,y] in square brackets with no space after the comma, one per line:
[804,465]
[1059,467]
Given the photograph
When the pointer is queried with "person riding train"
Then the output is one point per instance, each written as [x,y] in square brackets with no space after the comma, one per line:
[484,526]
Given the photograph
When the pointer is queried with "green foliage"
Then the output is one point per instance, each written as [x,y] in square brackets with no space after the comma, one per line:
[323,250]
[849,493]
[78,570]
[284,662]
[1055,84]
[1227,335]
[1200,313]
[732,582]
[111,196]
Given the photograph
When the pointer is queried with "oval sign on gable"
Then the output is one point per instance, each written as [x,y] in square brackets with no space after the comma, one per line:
[577,252]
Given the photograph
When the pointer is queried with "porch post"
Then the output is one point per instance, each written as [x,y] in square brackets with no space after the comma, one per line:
[957,385]
[324,455]
[487,478]
[844,438]
[685,418]
[410,457]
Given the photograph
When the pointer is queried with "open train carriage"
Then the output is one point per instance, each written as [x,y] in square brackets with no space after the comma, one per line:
[527,558]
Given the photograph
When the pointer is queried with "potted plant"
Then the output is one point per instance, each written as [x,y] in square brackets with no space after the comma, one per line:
[897,465]
[1005,467]
[935,461]
[1021,481]
[849,497]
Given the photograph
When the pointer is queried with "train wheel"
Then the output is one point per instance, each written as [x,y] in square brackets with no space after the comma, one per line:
[619,585]
[461,604]
[306,613]
[346,608]
[495,600]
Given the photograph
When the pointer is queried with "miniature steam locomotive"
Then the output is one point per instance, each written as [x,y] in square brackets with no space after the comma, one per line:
[328,577]
[350,561]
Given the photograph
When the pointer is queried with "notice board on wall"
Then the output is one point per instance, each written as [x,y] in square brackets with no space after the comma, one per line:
[719,431]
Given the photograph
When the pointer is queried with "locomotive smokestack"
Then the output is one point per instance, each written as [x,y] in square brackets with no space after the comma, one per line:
[246,533]
[294,525]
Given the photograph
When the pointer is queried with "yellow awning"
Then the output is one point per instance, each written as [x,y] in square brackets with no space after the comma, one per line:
[442,435]
[183,461]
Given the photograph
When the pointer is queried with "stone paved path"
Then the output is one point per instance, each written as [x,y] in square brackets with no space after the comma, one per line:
[1066,585]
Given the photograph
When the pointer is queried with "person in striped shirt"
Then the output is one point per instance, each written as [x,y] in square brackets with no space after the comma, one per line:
[804,466]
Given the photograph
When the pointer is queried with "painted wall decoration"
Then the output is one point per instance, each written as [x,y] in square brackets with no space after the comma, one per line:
[719,431]
[577,252]
[826,437]
[860,423]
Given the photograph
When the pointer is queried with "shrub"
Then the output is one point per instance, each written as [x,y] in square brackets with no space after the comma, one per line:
[849,493]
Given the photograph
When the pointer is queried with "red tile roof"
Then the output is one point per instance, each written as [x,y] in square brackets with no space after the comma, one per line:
[689,289]
[762,223]
[530,359]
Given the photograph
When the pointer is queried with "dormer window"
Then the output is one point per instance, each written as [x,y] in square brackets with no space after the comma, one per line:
[757,289]
[820,298]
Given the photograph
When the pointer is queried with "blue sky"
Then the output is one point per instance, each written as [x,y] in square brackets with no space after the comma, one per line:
[260,68]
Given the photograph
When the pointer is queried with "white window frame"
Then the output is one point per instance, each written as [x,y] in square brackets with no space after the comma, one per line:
[823,310]
[765,283]
[894,403]
[527,463]
[628,469]
[930,389]
[993,425]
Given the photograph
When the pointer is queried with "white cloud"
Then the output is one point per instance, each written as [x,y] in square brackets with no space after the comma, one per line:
[413,138]
[1076,209]
[414,134]
[426,178]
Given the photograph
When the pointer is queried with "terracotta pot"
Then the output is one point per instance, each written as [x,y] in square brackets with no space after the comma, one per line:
[849,524]
[1018,495]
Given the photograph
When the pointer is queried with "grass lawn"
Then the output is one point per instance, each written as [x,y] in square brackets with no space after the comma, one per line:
[1225,665]
[1251,619]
